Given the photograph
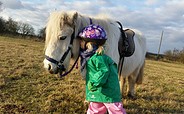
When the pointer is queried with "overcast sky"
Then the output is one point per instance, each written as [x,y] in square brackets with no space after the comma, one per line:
[148,16]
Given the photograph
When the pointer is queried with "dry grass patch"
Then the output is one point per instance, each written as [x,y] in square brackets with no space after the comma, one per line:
[25,87]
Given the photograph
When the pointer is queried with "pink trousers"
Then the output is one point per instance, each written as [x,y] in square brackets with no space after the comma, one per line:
[101,108]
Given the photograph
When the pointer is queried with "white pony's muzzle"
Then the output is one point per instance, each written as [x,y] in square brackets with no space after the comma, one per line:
[50,67]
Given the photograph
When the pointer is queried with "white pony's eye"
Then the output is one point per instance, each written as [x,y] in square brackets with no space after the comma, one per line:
[62,37]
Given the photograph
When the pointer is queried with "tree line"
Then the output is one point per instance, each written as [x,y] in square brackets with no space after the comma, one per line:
[11,27]
[175,55]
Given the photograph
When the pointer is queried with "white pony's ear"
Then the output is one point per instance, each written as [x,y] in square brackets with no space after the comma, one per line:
[75,16]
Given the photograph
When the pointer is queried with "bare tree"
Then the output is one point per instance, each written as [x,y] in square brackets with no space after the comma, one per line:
[11,26]
[25,29]
[2,25]
[41,33]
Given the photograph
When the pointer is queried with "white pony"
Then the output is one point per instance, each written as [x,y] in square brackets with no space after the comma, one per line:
[62,45]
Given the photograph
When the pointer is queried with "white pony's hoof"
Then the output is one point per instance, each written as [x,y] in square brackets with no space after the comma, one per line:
[131,96]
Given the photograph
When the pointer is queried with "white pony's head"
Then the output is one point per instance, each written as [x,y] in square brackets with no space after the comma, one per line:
[60,41]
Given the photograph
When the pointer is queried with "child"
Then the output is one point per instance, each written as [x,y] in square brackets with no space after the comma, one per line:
[102,84]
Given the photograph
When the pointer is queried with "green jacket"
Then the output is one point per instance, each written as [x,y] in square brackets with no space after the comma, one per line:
[102,84]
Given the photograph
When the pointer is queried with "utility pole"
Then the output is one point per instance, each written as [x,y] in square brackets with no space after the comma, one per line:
[160,45]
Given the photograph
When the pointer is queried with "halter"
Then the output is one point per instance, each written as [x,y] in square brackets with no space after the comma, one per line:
[59,64]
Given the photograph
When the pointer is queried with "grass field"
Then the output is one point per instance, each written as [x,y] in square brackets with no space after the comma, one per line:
[25,87]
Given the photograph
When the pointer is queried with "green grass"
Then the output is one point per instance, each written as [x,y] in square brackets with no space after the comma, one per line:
[25,87]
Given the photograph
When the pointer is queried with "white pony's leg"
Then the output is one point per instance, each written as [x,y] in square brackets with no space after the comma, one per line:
[122,82]
[132,81]
[141,74]
[135,78]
